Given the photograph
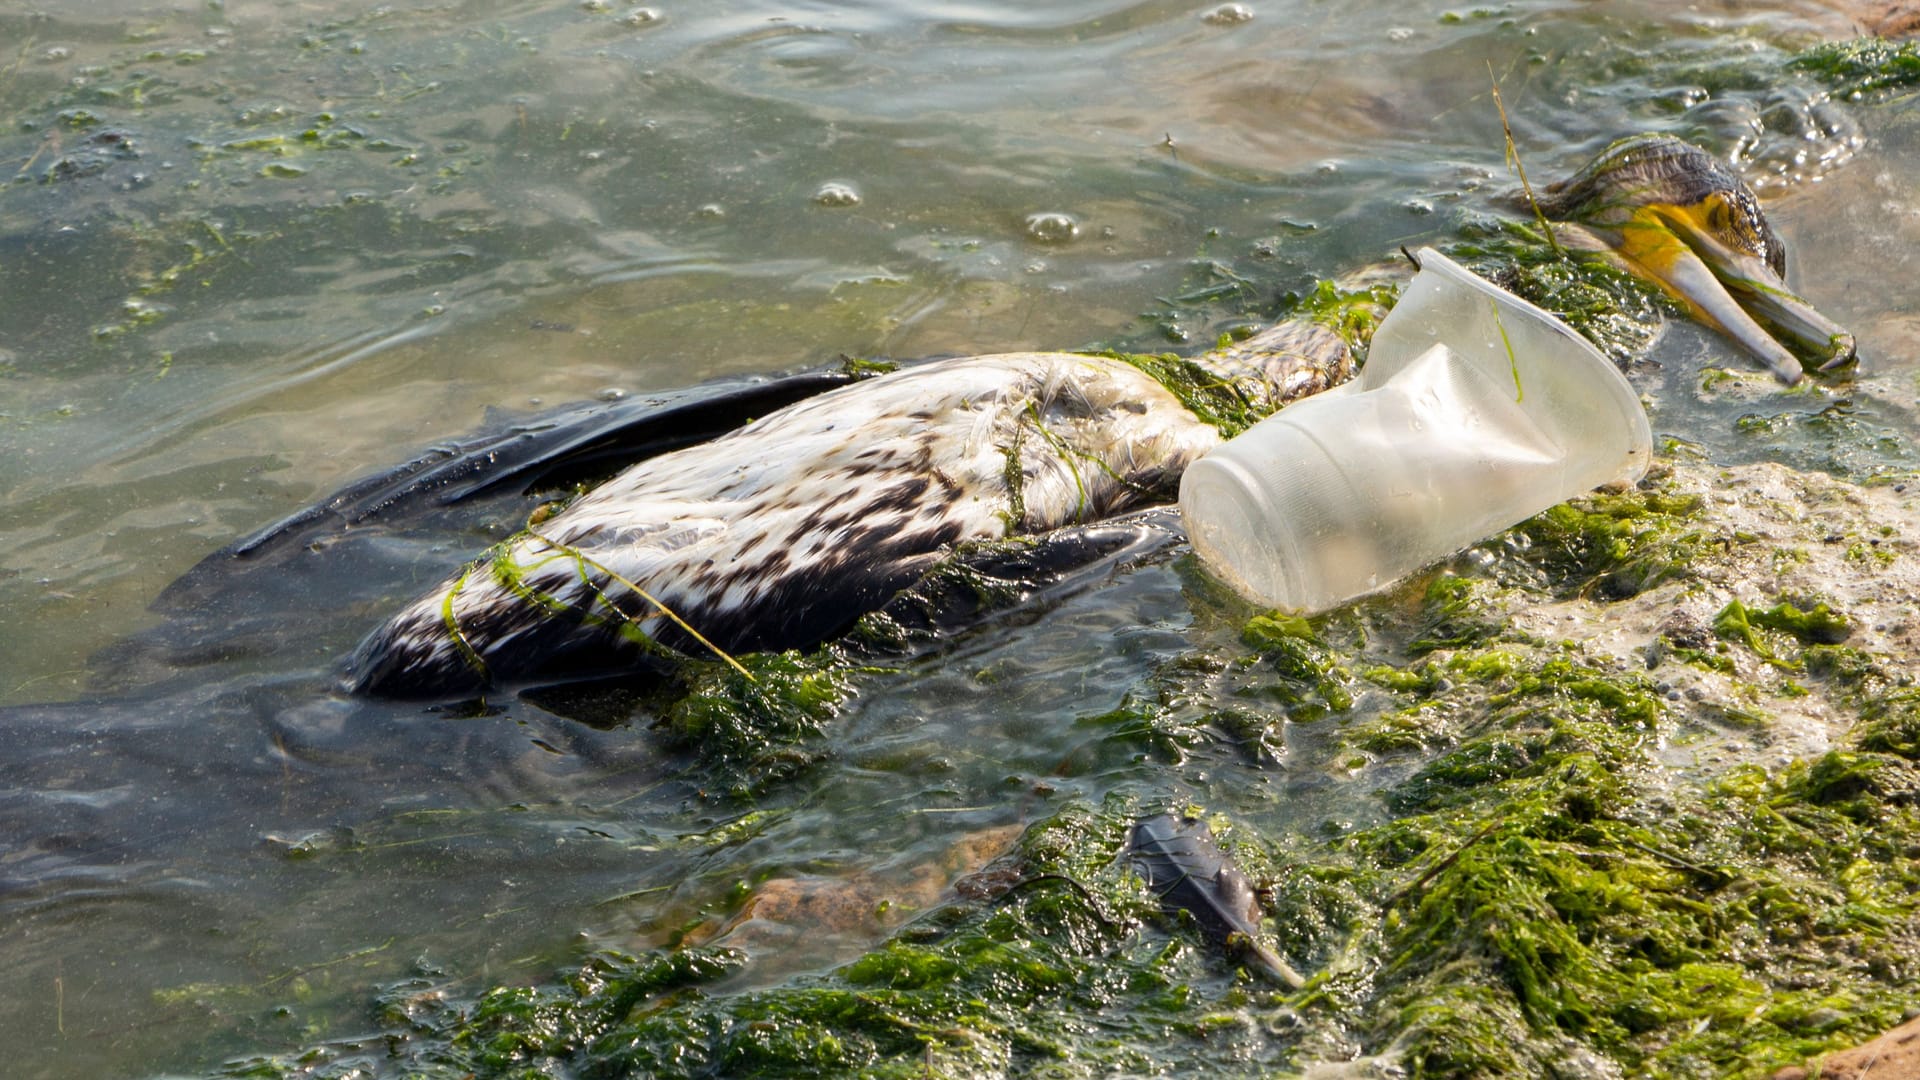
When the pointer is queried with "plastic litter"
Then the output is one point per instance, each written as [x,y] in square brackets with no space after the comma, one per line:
[1475,411]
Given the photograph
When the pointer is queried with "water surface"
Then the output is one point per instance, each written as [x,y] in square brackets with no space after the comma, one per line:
[249,253]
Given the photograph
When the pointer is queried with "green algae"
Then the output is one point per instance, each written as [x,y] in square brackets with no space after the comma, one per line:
[1285,674]
[953,995]
[1177,713]
[866,367]
[1352,314]
[1216,401]
[1884,696]
[1611,546]
[1536,893]
[1862,66]
[1534,718]
[1417,679]
[1891,724]
[1415,728]
[1312,681]
[1557,900]
[1818,625]
[752,728]
[1454,613]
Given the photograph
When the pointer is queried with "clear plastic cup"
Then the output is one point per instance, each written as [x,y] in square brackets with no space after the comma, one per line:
[1475,411]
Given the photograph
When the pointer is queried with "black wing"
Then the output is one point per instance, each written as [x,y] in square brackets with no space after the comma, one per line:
[581,443]
[308,586]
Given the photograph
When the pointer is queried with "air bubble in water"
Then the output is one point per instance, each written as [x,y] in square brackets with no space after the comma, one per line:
[1052,228]
[1228,14]
[835,193]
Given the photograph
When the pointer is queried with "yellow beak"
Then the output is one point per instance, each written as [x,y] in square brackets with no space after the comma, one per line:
[1731,290]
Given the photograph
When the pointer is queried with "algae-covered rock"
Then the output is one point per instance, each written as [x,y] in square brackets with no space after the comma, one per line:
[1867,64]
[1664,831]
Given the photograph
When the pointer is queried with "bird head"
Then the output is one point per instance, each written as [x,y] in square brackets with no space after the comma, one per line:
[1674,215]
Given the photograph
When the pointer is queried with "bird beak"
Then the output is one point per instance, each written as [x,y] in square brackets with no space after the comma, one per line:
[1735,291]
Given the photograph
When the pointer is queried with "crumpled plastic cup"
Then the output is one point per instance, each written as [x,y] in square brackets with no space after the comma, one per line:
[1475,411]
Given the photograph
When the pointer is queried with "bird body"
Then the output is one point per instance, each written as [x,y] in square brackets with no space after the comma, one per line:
[785,531]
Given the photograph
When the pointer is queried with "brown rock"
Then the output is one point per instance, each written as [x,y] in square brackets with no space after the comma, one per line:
[1881,18]
[863,904]
[1893,1056]
[1894,20]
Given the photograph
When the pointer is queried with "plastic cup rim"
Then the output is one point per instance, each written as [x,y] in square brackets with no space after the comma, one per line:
[1623,397]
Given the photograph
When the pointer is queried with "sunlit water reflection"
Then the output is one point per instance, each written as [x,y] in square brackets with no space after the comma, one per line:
[249,253]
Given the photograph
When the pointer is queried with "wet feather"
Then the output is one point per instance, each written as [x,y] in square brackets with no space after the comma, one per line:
[1187,870]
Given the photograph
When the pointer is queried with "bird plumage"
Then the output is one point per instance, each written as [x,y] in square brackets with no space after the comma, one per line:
[785,531]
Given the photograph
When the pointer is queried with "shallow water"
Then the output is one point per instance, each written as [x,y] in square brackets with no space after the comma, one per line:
[249,253]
